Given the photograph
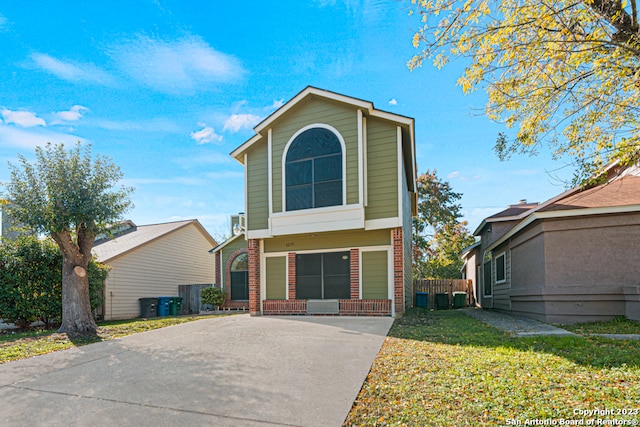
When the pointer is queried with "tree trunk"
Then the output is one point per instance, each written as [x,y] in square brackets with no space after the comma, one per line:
[76,308]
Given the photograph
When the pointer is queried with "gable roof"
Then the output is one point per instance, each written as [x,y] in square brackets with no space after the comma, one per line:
[367,107]
[106,250]
[618,196]
[226,242]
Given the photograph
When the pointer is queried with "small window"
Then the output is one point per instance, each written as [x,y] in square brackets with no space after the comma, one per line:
[313,169]
[501,268]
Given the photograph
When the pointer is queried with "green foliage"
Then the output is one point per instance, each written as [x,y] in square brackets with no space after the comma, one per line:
[66,191]
[71,197]
[438,234]
[563,72]
[213,296]
[31,281]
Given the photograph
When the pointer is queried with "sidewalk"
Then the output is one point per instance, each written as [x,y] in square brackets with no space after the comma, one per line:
[517,326]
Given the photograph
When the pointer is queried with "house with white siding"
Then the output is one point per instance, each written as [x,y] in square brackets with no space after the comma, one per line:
[148,261]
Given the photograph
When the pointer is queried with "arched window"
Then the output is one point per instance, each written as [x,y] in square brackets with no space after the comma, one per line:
[240,277]
[313,169]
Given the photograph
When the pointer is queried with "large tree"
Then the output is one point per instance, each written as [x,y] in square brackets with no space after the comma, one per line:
[71,197]
[439,234]
[565,72]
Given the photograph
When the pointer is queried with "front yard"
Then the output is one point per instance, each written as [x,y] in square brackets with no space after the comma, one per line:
[442,368]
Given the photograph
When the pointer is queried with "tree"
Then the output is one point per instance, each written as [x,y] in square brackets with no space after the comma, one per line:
[30,272]
[70,197]
[439,235]
[563,72]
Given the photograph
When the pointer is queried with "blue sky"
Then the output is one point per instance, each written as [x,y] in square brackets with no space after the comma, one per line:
[168,88]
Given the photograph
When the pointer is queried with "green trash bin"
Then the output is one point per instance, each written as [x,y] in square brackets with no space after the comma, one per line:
[422,299]
[442,301]
[174,305]
[459,299]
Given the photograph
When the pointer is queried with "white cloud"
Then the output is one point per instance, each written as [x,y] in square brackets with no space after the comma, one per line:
[74,114]
[25,119]
[176,66]
[235,122]
[393,101]
[3,22]
[459,176]
[11,136]
[206,135]
[71,71]
[277,103]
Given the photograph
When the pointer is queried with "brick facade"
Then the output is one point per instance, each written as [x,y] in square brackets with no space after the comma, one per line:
[398,270]
[355,273]
[218,267]
[254,276]
[291,274]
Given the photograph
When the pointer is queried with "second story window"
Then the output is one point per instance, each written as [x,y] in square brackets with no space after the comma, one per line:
[313,169]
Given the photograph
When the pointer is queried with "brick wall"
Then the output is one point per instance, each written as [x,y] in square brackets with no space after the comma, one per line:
[355,273]
[291,266]
[398,271]
[254,276]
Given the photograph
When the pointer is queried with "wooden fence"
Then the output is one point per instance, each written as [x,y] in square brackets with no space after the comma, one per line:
[191,298]
[442,286]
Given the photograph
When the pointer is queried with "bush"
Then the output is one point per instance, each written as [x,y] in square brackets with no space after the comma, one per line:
[31,281]
[213,296]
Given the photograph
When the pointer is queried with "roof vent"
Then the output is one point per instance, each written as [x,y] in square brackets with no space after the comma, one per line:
[522,201]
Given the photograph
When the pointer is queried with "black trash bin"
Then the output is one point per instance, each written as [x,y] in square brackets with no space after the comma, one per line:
[442,301]
[148,307]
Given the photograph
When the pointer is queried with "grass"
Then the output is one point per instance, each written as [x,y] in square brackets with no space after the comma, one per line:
[442,368]
[620,325]
[21,345]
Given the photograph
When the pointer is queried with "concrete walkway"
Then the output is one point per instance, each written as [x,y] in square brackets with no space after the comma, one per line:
[229,371]
[517,326]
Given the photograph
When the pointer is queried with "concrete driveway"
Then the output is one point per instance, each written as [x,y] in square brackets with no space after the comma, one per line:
[229,371]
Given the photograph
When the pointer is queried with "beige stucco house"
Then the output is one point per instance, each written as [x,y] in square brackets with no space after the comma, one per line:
[148,261]
[573,258]
[330,192]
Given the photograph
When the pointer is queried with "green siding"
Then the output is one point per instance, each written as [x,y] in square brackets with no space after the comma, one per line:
[375,277]
[382,170]
[238,243]
[276,276]
[344,119]
[337,239]
[257,187]
[407,239]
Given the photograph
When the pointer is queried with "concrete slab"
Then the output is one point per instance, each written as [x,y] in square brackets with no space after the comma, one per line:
[517,326]
[229,371]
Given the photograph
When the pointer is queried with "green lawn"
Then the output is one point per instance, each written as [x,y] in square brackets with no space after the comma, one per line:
[442,368]
[20,345]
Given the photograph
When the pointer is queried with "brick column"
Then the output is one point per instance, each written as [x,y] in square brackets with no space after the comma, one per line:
[398,271]
[355,273]
[291,269]
[218,267]
[254,277]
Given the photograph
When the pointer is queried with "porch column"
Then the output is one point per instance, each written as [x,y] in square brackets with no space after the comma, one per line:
[254,277]
[291,269]
[398,271]
[355,273]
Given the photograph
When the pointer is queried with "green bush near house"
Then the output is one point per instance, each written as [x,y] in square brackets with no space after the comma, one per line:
[213,296]
[31,281]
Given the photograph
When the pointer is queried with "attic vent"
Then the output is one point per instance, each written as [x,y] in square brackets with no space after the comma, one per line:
[522,201]
[328,306]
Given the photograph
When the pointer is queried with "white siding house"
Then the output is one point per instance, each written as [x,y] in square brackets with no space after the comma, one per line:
[152,260]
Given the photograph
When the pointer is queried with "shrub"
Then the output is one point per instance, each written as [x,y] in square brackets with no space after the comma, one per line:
[213,296]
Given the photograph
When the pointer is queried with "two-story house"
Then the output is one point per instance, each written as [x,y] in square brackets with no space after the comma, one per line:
[330,190]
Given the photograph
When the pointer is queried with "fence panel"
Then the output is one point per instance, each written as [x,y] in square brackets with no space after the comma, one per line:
[442,286]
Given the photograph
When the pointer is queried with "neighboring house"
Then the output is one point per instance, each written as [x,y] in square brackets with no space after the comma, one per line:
[330,192]
[148,261]
[573,258]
